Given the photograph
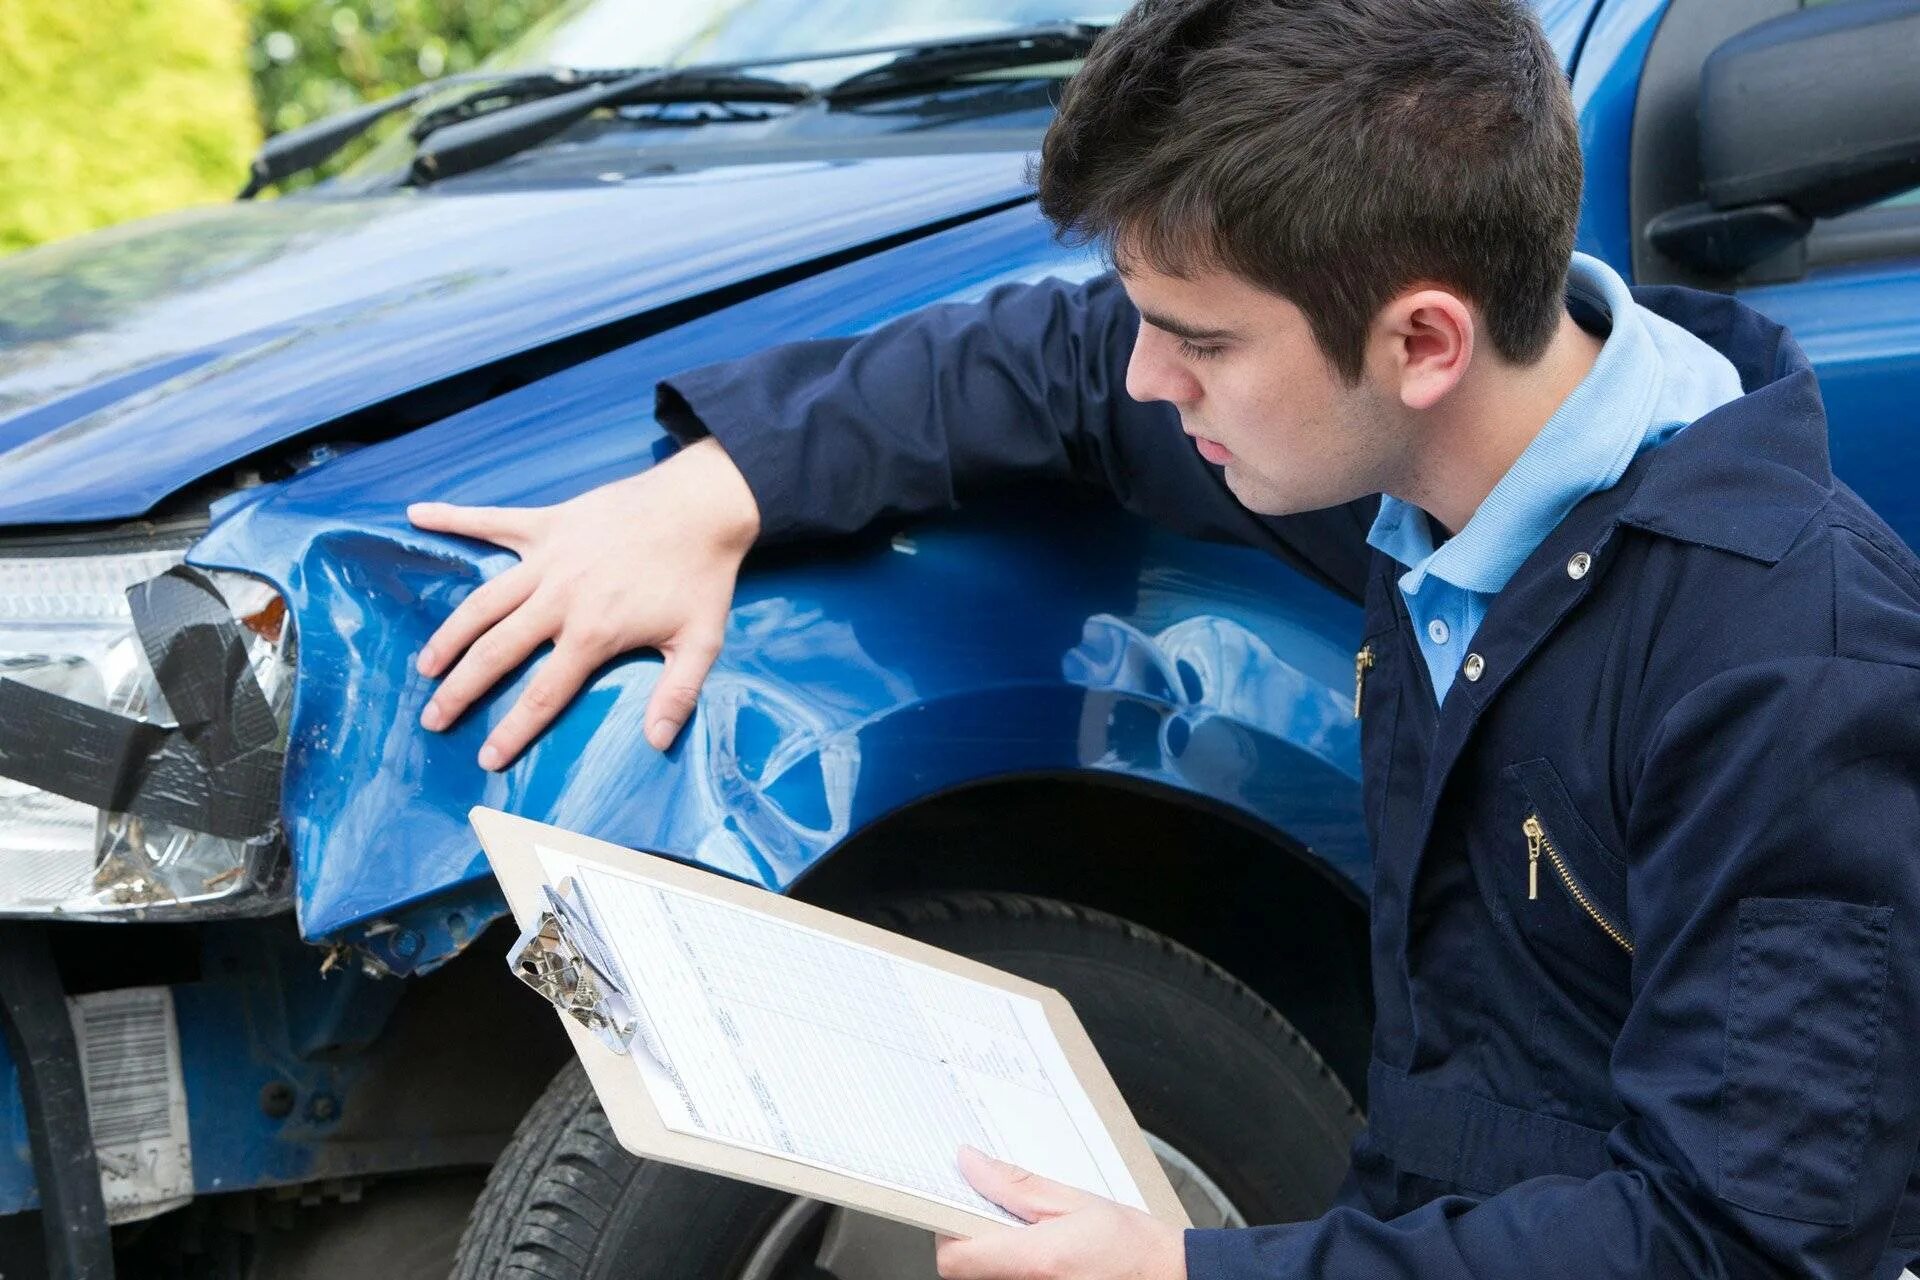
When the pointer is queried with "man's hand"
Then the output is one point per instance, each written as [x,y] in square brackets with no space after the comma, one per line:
[1074,1236]
[646,562]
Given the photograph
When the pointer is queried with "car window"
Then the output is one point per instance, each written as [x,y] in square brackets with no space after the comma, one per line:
[625,33]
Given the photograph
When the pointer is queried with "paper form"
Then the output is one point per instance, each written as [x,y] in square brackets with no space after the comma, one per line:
[781,1038]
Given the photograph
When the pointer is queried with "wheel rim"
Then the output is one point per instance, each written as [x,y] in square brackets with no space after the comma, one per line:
[810,1240]
[1206,1204]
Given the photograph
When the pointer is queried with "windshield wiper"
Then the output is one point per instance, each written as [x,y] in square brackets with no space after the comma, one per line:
[297,150]
[495,135]
[490,136]
[932,65]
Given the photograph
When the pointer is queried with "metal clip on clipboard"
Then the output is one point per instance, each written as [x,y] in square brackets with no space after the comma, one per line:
[562,958]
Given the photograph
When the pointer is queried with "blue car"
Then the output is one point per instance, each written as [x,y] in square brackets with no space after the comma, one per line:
[251,961]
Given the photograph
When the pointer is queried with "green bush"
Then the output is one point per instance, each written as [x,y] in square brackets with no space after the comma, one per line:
[113,109]
[312,59]
[117,108]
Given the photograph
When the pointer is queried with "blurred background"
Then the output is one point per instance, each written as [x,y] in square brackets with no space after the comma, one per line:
[115,109]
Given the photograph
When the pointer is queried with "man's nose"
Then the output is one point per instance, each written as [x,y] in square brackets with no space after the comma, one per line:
[1154,374]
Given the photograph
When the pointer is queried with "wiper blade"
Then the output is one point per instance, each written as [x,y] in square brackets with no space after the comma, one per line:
[297,150]
[937,64]
[493,136]
[490,136]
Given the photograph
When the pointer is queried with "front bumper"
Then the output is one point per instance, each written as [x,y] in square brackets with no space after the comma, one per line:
[290,1077]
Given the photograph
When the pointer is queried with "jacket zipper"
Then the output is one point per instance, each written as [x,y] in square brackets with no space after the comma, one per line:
[1537,844]
[1361,661]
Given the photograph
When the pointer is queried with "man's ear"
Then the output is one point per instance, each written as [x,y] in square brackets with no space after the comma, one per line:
[1424,339]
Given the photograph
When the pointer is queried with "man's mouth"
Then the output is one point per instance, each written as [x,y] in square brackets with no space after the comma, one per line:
[1218,454]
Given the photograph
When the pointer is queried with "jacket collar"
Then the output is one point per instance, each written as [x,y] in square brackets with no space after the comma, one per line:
[1747,477]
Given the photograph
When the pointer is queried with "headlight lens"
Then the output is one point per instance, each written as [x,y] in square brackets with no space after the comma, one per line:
[66,628]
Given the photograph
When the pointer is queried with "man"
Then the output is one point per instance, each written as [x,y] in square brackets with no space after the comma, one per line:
[1639,676]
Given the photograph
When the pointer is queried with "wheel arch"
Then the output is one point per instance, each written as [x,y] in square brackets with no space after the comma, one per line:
[1238,892]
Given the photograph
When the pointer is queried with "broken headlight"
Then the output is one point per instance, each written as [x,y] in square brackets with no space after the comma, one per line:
[114,802]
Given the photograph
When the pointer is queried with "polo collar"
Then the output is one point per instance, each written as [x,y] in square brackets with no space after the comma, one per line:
[1584,447]
[1745,478]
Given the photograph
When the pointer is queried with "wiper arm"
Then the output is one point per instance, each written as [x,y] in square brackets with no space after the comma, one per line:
[494,136]
[942,63]
[297,150]
[490,136]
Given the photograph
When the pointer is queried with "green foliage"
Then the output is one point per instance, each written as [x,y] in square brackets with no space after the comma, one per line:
[311,58]
[114,109]
[118,108]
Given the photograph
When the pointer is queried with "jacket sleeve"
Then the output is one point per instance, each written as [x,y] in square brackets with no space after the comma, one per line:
[1027,383]
[1765,1065]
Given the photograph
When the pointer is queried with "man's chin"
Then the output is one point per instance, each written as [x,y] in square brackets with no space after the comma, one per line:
[1265,499]
[1253,495]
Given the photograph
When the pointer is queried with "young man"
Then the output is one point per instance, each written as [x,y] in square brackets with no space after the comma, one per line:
[1640,735]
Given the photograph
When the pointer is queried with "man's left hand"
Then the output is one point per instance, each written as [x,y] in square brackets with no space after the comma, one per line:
[1074,1235]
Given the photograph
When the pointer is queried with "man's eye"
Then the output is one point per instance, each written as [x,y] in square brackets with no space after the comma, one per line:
[1192,352]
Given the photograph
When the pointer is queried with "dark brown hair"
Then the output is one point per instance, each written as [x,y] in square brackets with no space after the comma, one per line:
[1333,152]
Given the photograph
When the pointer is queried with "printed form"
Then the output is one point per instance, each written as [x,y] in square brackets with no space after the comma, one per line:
[784,1039]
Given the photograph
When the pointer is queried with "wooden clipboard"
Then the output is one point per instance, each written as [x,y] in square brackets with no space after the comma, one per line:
[509,842]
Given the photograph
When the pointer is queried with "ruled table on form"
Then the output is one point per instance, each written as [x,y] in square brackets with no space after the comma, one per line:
[782,1038]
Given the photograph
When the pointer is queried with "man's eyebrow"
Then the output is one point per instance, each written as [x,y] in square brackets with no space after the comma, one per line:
[1192,333]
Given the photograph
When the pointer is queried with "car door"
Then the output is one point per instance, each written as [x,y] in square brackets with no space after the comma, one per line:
[1849,290]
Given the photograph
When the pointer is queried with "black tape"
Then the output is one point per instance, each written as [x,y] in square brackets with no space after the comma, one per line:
[216,770]
[53,1091]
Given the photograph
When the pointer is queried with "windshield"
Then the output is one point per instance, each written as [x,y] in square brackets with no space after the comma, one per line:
[630,33]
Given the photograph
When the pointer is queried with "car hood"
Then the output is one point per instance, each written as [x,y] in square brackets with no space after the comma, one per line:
[136,361]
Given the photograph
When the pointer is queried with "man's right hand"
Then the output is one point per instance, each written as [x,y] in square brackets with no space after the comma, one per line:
[645,562]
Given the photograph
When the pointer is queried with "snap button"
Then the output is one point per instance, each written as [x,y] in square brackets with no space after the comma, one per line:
[1437,631]
[1473,667]
[1578,566]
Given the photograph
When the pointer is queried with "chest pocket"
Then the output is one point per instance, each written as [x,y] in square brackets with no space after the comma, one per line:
[1567,889]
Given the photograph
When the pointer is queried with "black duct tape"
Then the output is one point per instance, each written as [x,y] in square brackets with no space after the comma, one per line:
[53,1094]
[216,770]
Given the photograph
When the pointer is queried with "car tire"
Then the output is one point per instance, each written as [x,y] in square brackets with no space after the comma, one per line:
[1251,1123]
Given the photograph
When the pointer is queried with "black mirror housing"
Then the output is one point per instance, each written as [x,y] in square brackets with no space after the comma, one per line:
[1817,110]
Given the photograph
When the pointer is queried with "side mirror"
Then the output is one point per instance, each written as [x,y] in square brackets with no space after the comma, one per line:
[1809,115]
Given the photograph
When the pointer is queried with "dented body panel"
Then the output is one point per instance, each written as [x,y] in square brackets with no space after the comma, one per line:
[851,683]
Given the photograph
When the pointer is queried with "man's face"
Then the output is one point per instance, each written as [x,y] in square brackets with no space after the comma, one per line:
[1256,393]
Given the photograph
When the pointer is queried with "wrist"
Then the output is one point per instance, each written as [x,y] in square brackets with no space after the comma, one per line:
[703,483]
[1175,1267]
[725,488]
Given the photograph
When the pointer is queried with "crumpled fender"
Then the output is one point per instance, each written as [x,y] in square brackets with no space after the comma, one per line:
[855,677]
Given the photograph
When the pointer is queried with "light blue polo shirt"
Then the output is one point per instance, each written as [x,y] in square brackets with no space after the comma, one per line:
[1651,379]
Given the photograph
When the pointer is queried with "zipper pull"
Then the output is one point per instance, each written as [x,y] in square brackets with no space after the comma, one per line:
[1361,661]
[1536,837]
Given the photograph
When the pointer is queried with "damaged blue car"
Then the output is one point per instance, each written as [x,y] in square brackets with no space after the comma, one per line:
[258,1021]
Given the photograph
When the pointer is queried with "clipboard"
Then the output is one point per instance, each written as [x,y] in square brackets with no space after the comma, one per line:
[510,843]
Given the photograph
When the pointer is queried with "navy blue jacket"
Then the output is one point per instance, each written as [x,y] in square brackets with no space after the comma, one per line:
[1690,1050]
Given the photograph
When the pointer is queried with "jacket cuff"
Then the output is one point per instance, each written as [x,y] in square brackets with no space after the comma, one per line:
[1246,1253]
[697,404]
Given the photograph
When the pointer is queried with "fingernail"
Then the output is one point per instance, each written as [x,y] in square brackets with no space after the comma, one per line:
[433,719]
[425,662]
[490,758]
[661,733]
